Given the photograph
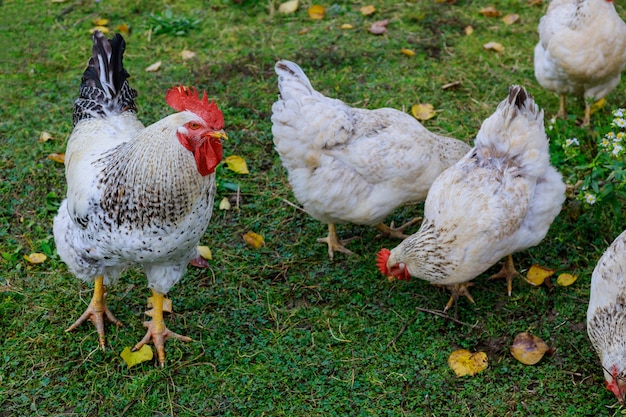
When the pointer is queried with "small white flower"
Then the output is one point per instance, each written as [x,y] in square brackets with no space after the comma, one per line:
[572,142]
[617,149]
[618,113]
[610,136]
[619,137]
[605,143]
[552,121]
[590,198]
[620,122]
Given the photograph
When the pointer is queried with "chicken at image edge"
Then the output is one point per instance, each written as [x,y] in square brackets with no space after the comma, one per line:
[499,199]
[606,315]
[581,51]
[354,165]
[135,195]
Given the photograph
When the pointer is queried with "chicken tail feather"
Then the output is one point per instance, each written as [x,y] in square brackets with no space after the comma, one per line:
[104,88]
[292,81]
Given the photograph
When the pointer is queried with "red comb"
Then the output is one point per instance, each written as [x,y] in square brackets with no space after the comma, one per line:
[183,98]
[381,261]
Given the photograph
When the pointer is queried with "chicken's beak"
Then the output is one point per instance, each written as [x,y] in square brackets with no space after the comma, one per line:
[219,134]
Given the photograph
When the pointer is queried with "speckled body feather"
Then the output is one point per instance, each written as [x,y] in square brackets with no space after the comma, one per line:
[134,194]
[606,314]
[498,199]
[582,48]
[353,165]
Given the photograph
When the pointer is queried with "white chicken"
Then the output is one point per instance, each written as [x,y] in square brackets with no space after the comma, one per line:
[581,51]
[499,199]
[135,195]
[606,315]
[353,165]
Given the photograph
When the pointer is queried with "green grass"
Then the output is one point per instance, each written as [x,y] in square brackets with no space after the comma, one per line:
[281,331]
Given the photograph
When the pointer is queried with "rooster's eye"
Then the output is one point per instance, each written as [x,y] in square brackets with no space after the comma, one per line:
[194,125]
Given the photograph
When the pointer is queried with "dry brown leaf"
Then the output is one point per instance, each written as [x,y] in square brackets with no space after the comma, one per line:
[154,67]
[423,111]
[186,54]
[407,52]
[254,240]
[288,7]
[57,157]
[565,280]
[537,274]
[463,362]
[529,349]
[493,46]
[44,137]
[367,10]
[346,26]
[379,27]
[468,30]
[489,11]
[316,12]
[123,29]
[35,258]
[303,31]
[509,19]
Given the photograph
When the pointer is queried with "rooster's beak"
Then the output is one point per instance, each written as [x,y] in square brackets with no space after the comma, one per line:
[219,134]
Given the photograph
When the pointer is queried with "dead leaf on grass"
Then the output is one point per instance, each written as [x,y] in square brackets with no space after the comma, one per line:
[379,27]
[537,274]
[463,362]
[133,358]
[205,252]
[423,111]
[565,280]
[44,137]
[468,30]
[57,157]
[154,67]
[288,7]
[253,239]
[493,46]
[509,19]
[407,52]
[367,10]
[186,54]
[35,258]
[316,12]
[529,349]
[346,26]
[489,11]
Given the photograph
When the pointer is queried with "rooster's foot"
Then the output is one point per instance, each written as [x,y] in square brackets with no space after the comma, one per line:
[457,290]
[395,232]
[509,272]
[333,242]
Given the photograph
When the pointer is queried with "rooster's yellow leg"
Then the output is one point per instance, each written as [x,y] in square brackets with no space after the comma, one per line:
[97,311]
[509,272]
[587,118]
[395,232]
[562,112]
[333,242]
[457,290]
[157,331]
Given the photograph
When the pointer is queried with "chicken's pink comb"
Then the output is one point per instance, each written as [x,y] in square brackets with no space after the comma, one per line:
[381,261]
[183,98]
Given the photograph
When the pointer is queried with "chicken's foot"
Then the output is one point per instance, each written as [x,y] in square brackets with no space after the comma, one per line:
[562,114]
[157,332]
[395,232]
[333,242]
[97,311]
[457,290]
[509,272]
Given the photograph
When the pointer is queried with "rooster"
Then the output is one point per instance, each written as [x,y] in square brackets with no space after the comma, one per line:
[606,315]
[347,164]
[581,51]
[135,195]
[499,199]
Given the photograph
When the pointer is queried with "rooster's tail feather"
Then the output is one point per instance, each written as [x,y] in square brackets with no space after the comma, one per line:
[292,80]
[104,89]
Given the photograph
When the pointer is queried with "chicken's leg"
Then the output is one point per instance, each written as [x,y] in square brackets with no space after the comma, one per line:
[562,112]
[157,331]
[97,311]
[457,290]
[587,118]
[396,232]
[509,272]
[333,242]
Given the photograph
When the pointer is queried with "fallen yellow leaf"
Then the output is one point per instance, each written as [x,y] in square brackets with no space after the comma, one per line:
[489,11]
[423,111]
[237,163]
[316,12]
[225,204]
[35,258]
[463,362]
[367,10]
[44,137]
[288,7]
[565,280]
[468,30]
[493,46]
[254,240]
[407,52]
[133,358]
[205,252]
[537,274]
[154,67]
[123,28]
[100,21]
[346,26]
[57,157]
[186,54]
[529,349]
[597,105]
[509,19]
[102,29]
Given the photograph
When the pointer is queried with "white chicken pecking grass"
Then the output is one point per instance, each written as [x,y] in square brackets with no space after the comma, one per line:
[135,195]
[581,51]
[499,199]
[606,315]
[347,164]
